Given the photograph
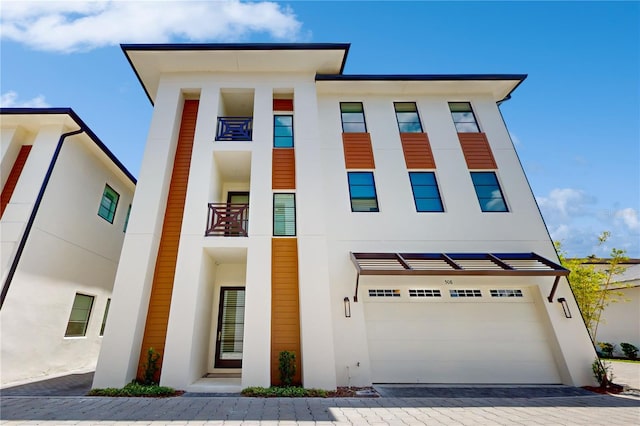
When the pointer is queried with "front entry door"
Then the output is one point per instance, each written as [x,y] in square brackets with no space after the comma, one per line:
[230,328]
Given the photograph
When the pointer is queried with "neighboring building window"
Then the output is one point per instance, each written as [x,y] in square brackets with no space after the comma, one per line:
[104,317]
[362,191]
[352,115]
[126,219]
[283,131]
[425,191]
[284,215]
[79,318]
[463,117]
[488,192]
[108,204]
[407,116]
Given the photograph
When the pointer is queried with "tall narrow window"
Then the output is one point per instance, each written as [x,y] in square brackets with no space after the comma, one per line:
[352,115]
[104,317]
[108,204]
[79,318]
[362,191]
[284,215]
[126,219]
[463,117]
[488,192]
[425,192]
[283,131]
[407,116]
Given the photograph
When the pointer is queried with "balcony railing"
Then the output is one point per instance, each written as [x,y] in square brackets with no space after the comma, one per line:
[227,220]
[234,128]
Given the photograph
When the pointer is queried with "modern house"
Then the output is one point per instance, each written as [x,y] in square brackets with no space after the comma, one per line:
[380,227]
[63,213]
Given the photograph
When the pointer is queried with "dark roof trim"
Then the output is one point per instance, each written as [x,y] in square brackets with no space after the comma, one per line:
[71,113]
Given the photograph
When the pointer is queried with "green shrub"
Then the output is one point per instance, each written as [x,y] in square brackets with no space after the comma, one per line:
[151,367]
[134,389]
[287,367]
[602,372]
[606,348]
[283,392]
[629,350]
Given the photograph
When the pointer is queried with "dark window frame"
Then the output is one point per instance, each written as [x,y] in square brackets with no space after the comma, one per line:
[274,131]
[375,192]
[415,199]
[473,115]
[364,119]
[85,321]
[497,185]
[112,215]
[295,220]
[126,219]
[398,118]
[104,316]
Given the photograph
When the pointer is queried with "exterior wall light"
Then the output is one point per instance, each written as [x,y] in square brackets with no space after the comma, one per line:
[347,308]
[565,307]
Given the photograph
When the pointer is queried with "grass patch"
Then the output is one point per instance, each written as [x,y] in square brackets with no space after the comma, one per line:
[134,389]
[283,392]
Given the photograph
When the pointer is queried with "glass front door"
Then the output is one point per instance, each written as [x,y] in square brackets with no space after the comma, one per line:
[230,328]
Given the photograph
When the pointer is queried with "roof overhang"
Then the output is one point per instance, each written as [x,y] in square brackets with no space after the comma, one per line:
[151,61]
[498,86]
[456,264]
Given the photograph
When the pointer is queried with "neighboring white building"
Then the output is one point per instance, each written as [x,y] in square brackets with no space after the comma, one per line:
[380,227]
[65,200]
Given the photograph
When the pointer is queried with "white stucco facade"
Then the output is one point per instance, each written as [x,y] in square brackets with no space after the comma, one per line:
[335,350]
[68,250]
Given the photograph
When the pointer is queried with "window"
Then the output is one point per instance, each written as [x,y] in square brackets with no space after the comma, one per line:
[425,192]
[407,116]
[465,293]
[506,293]
[463,117]
[79,318]
[283,131]
[108,204]
[362,191]
[352,117]
[284,215]
[126,219]
[384,292]
[488,192]
[104,317]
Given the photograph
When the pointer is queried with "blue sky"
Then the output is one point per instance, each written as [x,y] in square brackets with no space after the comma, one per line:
[575,121]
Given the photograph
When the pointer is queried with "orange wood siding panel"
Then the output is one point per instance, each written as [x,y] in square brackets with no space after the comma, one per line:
[155,332]
[417,151]
[358,153]
[285,305]
[283,168]
[14,175]
[283,104]
[477,151]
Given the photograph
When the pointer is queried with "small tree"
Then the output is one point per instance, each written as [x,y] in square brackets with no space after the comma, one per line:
[287,367]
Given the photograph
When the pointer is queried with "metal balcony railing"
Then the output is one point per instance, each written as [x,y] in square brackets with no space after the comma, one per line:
[227,220]
[234,129]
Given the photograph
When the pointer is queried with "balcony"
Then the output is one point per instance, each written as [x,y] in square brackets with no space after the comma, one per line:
[227,220]
[234,129]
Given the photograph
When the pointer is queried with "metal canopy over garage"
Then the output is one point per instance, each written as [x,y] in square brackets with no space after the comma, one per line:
[497,264]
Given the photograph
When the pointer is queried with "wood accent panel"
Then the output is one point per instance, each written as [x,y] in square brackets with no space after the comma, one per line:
[155,332]
[14,175]
[283,171]
[283,104]
[285,305]
[417,151]
[477,151]
[358,153]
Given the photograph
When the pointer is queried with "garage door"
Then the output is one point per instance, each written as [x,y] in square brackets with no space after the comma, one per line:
[444,335]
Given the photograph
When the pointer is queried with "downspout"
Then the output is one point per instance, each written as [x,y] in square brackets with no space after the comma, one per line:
[32,217]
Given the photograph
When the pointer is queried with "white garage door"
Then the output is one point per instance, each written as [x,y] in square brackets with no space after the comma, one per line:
[488,335]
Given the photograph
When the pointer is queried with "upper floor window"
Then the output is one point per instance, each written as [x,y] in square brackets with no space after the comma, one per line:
[108,204]
[284,215]
[463,117]
[352,114]
[79,318]
[425,192]
[407,116]
[362,192]
[488,192]
[283,131]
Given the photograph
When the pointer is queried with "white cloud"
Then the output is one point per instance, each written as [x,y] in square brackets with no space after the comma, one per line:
[84,25]
[10,100]
[565,202]
[629,217]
